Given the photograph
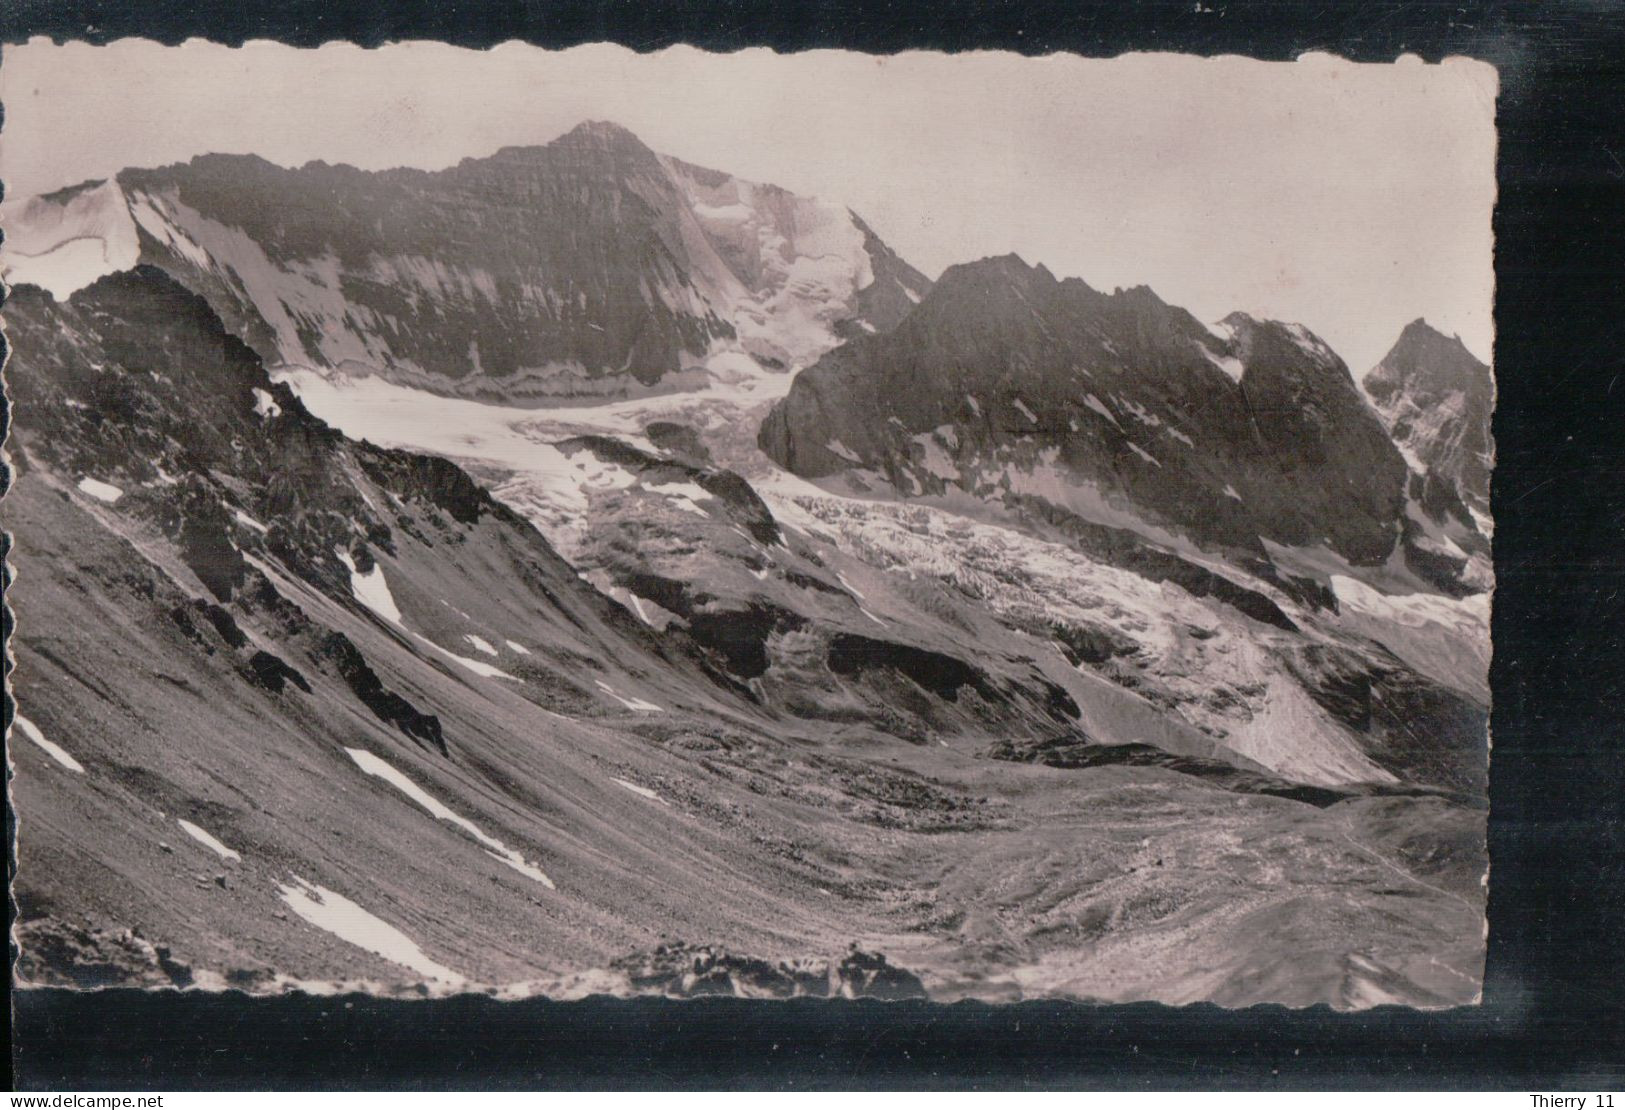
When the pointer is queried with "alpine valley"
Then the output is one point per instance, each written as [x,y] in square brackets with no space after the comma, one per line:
[577,571]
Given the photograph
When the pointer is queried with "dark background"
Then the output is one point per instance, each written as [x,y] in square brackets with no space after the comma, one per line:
[1550,1019]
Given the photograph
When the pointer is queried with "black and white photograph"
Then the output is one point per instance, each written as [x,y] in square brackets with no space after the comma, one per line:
[559,523]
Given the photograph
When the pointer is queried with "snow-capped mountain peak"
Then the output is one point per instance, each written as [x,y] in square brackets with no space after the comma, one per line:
[588,267]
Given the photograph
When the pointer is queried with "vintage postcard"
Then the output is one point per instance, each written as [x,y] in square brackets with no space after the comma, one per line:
[555,523]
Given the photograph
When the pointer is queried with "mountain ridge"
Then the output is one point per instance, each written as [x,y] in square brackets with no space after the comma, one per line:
[612,269]
[1247,431]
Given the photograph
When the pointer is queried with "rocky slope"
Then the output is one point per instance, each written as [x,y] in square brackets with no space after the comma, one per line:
[590,266]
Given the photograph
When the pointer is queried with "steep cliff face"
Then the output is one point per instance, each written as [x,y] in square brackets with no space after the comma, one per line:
[1437,398]
[589,267]
[1007,383]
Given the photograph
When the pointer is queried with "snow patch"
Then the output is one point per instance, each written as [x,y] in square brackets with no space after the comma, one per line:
[730,213]
[640,791]
[31,730]
[1143,453]
[937,461]
[372,590]
[1229,364]
[1138,411]
[1095,403]
[1309,343]
[372,765]
[689,490]
[631,703]
[480,645]
[249,522]
[101,491]
[265,404]
[684,496]
[836,447]
[205,839]
[637,607]
[517,647]
[484,670]
[336,914]
[1025,411]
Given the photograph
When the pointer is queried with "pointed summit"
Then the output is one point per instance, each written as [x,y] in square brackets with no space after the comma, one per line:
[1419,332]
[600,131]
[1436,398]
[591,143]
[1425,359]
[1001,268]
[993,287]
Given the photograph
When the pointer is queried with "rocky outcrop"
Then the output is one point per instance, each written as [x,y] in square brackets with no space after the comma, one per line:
[86,956]
[699,971]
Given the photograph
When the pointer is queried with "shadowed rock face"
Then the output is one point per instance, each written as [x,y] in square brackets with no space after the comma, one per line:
[1005,381]
[1416,729]
[1437,398]
[591,266]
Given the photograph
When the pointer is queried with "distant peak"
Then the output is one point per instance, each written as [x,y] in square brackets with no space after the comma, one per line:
[1421,338]
[1141,294]
[589,140]
[1240,320]
[1011,268]
[602,131]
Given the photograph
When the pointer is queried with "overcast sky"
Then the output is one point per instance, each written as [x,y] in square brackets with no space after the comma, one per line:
[1350,198]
